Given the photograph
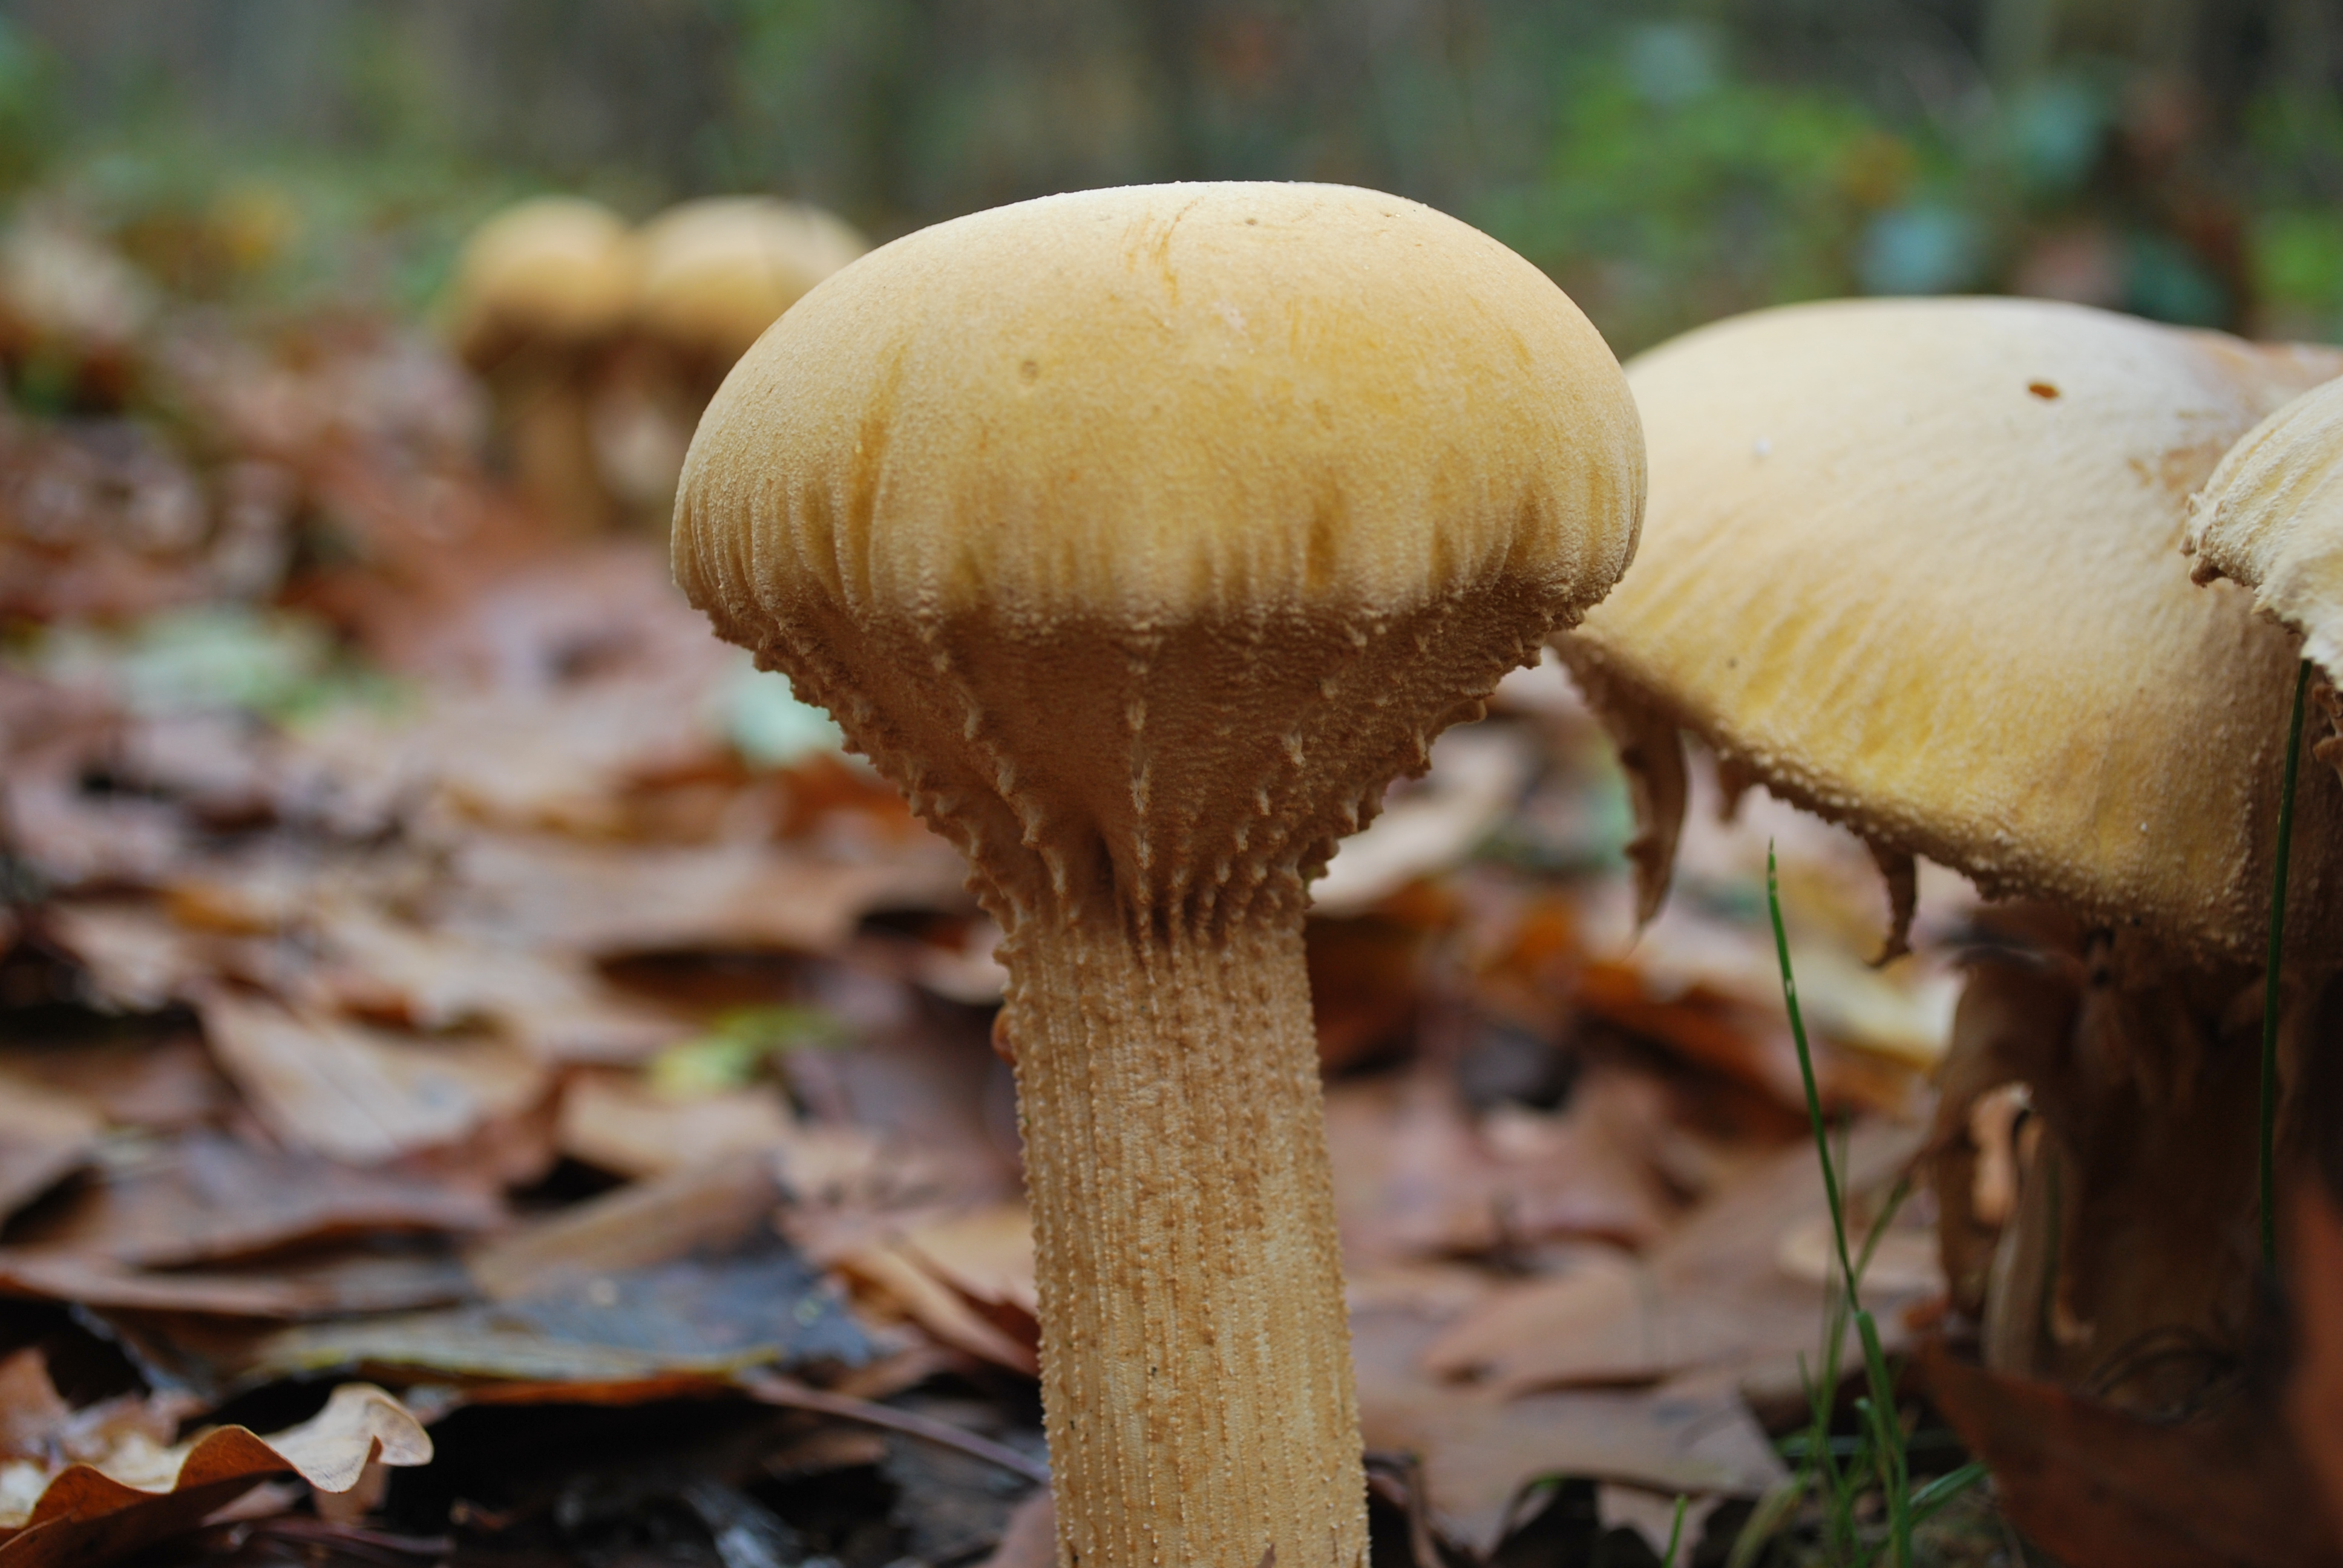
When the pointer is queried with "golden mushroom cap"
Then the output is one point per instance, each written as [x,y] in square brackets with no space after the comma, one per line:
[2271,519]
[1147,403]
[557,268]
[1909,564]
[718,271]
[1115,507]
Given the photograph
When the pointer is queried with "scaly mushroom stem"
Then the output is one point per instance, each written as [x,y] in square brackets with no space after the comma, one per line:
[1175,1150]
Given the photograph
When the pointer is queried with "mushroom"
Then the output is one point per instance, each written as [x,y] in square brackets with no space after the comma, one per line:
[1907,565]
[715,274]
[1141,536]
[2271,519]
[541,291]
[718,271]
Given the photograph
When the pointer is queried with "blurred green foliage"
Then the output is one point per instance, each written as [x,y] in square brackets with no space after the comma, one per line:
[1668,165]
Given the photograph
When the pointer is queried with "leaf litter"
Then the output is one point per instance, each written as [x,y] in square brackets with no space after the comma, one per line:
[431,959]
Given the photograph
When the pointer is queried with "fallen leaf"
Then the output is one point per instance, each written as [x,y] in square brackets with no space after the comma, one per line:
[1029,1539]
[90,1514]
[1477,772]
[206,1198]
[44,1137]
[918,1294]
[609,900]
[717,1204]
[631,1332]
[1479,1448]
[986,1254]
[1418,1175]
[363,1096]
[616,1121]
[1712,1298]
[327,1289]
[156,1084]
[2098,1487]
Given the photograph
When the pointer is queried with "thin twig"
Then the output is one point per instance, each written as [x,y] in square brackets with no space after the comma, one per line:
[771,1388]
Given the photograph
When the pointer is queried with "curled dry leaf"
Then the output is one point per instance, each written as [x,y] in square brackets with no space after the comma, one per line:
[92,1512]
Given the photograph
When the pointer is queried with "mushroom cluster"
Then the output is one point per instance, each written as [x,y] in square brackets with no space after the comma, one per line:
[1142,537]
[1912,566]
[601,343]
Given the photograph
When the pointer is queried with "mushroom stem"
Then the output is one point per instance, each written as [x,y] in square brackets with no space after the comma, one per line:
[1195,1353]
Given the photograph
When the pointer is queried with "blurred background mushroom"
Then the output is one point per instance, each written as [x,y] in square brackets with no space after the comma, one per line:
[540,295]
[602,345]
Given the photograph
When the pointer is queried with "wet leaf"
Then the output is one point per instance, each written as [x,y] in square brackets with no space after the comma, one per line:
[703,1316]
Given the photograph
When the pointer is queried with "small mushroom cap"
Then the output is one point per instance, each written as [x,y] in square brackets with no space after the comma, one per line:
[716,272]
[1909,564]
[2271,519]
[557,268]
[1158,512]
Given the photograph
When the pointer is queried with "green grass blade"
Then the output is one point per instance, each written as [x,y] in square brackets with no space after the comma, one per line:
[2270,981]
[1933,1497]
[1675,1532]
[1806,1069]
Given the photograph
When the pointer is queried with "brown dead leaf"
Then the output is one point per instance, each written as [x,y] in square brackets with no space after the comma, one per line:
[615,1120]
[902,1282]
[1691,1435]
[150,1083]
[1417,1175]
[31,1410]
[552,1002]
[2314,1255]
[92,1512]
[713,1205]
[138,959]
[609,900]
[985,1254]
[45,1136]
[206,1198]
[1716,1296]
[283,1292]
[2098,1487]
[1031,1539]
[363,1096]
[967,1279]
